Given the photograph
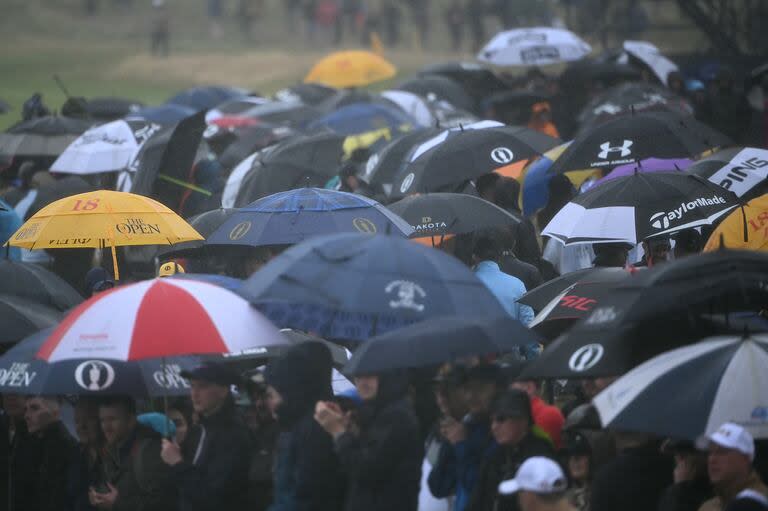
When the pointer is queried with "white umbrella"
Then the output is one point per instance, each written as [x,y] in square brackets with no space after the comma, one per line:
[106,148]
[691,391]
[415,106]
[538,46]
[651,56]
[235,180]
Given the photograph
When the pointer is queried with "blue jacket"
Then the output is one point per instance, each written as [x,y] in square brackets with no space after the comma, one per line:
[506,288]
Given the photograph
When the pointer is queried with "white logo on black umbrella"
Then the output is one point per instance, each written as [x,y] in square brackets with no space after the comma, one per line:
[586,357]
[607,148]
[502,155]
[95,375]
[407,293]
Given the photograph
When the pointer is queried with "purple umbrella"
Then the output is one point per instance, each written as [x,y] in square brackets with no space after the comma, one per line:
[647,165]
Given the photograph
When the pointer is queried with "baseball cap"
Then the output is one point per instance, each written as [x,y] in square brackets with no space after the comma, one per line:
[512,403]
[168,269]
[212,372]
[537,475]
[730,436]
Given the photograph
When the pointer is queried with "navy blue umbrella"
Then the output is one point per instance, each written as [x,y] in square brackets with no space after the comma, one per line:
[22,373]
[286,218]
[354,286]
[204,98]
[166,115]
[360,118]
[439,340]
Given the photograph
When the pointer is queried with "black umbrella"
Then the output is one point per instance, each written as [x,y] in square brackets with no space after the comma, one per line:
[439,214]
[442,88]
[205,97]
[63,187]
[285,113]
[540,297]
[439,340]
[111,108]
[461,154]
[205,224]
[479,81]
[740,170]
[255,357]
[383,166]
[246,141]
[636,137]
[513,106]
[308,93]
[631,98]
[663,308]
[35,283]
[294,163]
[21,317]
[43,136]
[605,71]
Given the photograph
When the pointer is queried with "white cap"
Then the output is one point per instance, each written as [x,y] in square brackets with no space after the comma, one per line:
[731,436]
[537,475]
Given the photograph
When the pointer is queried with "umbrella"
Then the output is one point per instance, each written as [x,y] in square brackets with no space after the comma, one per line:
[437,341]
[23,373]
[540,297]
[250,140]
[745,228]
[383,166]
[647,165]
[442,88]
[59,189]
[236,177]
[359,118]
[103,218]
[636,137]
[413,105]
[640,206]
[650,56]
[191,318]
[353,286]
[165,115]
[258,356]
[111,108]
[538,46]
[308,93]
[345,69]
[717,380]
[35,283]
[290,217]
[205,224]
[479,81]
[629,98]
[43,136]
[297,162]
[513,106]
[21,317]
[461,154]
[203,98]
[234,107]
[739,169]
[604,71]
[294,114]
[441,214]
[106,148]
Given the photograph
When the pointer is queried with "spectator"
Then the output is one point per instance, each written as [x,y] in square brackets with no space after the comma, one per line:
[547,417]
[610,255]
[691,486]
[576,456]
[540,485]
[91,443]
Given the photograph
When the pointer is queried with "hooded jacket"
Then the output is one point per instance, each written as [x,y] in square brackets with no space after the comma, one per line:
[383,462]
[307,475]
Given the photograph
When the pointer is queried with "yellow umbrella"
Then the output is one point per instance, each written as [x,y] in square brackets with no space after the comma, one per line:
[345,69]
[753,221]
[100,219]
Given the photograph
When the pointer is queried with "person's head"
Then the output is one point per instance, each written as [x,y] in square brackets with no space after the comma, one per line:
[13,404]
[539,484]
[180,413]
[480,385]
[87,425]
[449,396]
[507,194]
[367,386]
[487,247]
[530,387]
[40,412]
[511,418]
[657,250]
[687,242]
[576,454]
[486,186]
[117,416]
[170,268]
[676,82]
[610,254]
[731,450]
[209,387]
[690,462]
[98,280]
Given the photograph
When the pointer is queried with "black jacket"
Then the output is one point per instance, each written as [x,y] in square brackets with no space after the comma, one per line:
[214,473]
[686,495]
[40,470]
[383,462]
[633,481]
[527,273]
[503,465]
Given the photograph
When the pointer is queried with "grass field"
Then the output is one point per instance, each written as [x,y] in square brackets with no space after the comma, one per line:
[107,54]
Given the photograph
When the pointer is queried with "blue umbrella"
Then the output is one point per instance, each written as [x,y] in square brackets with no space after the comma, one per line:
[204,98]
[354,286]
[359,118]
[287,218]
[22,373]
[166,115]
[9,224]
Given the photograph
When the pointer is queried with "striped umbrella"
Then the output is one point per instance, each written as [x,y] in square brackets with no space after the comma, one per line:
[160,318]
[691,391]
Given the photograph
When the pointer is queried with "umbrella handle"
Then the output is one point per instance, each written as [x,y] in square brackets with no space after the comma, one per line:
[114,261]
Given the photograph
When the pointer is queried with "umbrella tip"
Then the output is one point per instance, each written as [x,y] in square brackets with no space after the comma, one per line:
[632,109]
[461,126]
[745,334]
[722,242]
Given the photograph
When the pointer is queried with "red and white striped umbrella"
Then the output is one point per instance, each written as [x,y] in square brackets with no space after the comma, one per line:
[160,318]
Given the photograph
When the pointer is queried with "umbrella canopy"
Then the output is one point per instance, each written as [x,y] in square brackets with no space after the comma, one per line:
[250,140]
[191,318]
[345,69]
[35,283]
[479,81]
[165,115]
[294,114]
[43,136]
[58,189]
[25,374]
[647,165]
[461,154]
[413,105]
[383,166]
[287,218]
[629,98]
[745,228]
[636,137]
[203,98]
[205,224]
[717,380]
[437,341]
[308,93]
[637,207]
[298,162]
[538,46]
[111,108]
[21,317]
[739,169]
[234,107]
[649,56]
[360,118]
[258,356]
[538,298]
[353,286]
[440,88]
[106,148]
[603,70]
[441,214]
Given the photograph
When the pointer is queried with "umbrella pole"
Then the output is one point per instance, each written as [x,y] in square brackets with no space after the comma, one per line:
[114,261]
[163,368]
